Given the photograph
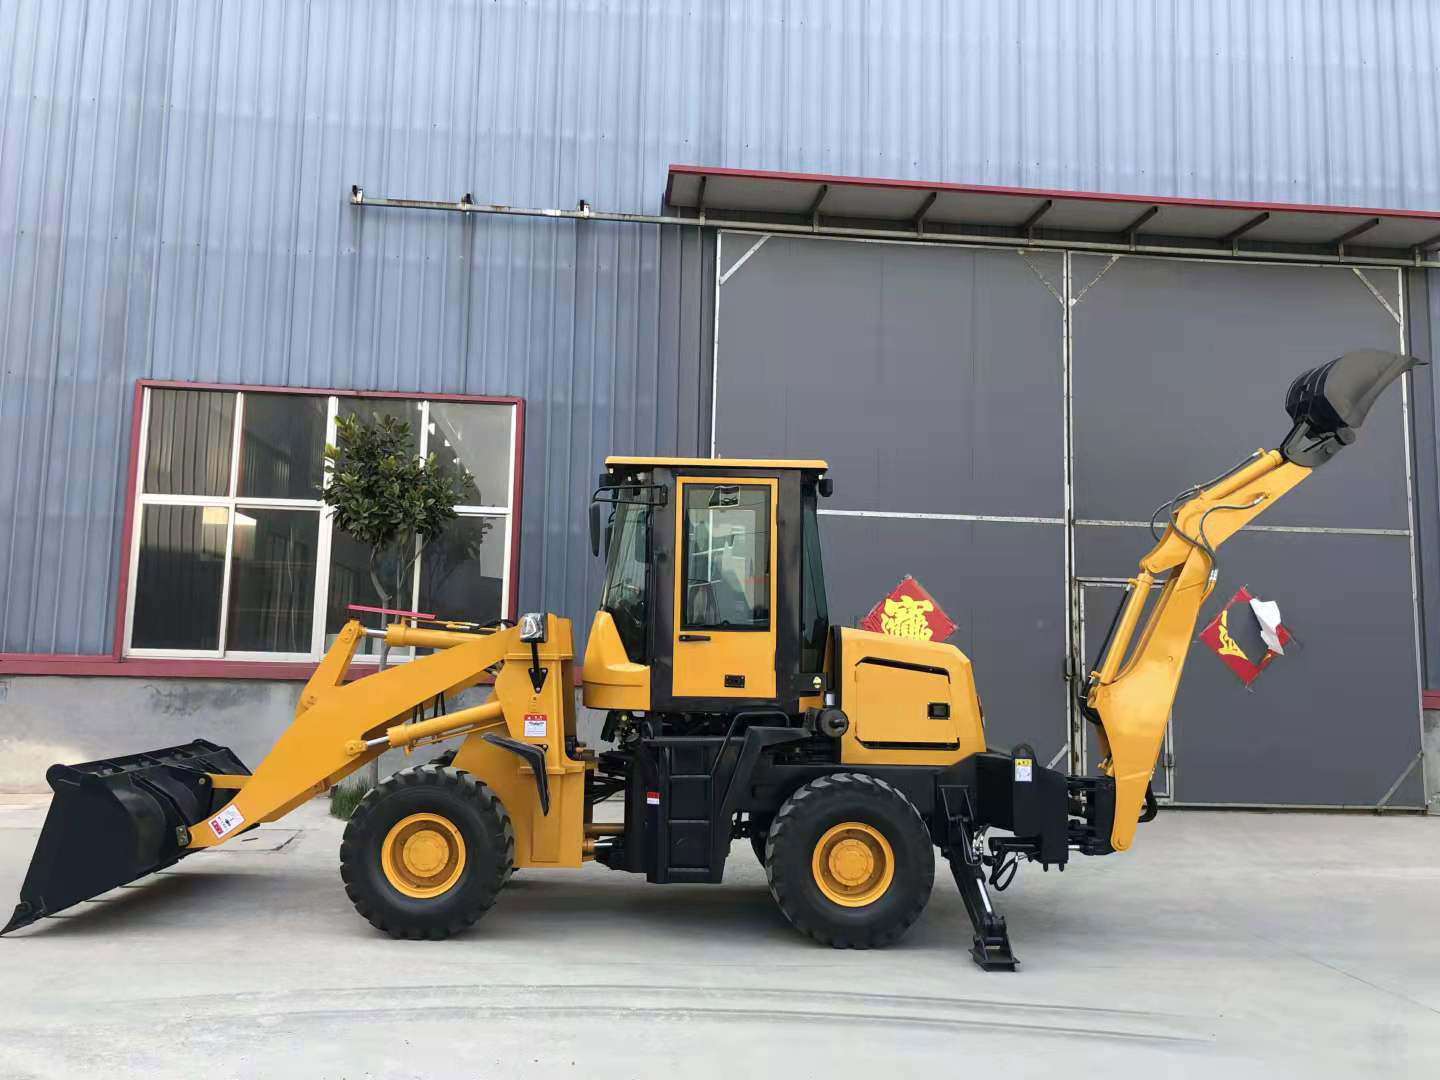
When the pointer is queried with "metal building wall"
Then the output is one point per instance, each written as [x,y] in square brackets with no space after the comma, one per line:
[173,180]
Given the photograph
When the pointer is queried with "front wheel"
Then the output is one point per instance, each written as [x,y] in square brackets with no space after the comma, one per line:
[850,861]
[426,852]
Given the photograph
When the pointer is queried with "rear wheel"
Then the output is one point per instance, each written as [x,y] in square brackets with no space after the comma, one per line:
[850,861]
[426,852]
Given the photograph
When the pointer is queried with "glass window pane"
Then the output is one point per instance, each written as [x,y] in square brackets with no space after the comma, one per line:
[727,557]
[462,571]
[178,581]
[477,438]
[187,444]
[272,580]
[371,409]
[350,583]
[626,595]
[282,445]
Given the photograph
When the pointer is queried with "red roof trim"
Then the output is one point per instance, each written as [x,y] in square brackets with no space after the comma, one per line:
[1041,193]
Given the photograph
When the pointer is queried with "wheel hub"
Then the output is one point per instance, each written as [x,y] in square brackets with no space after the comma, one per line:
[853,864]
[423,855]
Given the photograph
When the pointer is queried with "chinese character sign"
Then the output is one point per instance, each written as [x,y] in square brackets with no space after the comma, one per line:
[909,612]
[1254,619]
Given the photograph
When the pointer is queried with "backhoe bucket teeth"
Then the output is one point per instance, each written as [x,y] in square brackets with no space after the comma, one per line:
[118,819]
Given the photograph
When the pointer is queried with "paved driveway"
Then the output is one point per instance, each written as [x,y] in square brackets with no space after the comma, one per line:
[1223,945]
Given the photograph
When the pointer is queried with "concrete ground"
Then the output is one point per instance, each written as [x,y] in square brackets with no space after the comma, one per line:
[1224,944]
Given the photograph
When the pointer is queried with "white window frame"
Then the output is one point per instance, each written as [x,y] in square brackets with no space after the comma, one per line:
[233,503]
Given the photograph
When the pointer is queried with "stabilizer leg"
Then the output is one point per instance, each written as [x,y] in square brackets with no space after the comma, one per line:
[991,946]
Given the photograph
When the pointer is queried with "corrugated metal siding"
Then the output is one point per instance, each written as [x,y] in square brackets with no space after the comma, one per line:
[173,182]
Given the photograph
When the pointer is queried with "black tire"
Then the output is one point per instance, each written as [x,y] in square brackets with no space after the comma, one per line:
[757,845]
[476,815]
[806,818]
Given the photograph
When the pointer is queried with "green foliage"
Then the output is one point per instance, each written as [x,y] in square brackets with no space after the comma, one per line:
[384,496]
[345,798]
[382,493]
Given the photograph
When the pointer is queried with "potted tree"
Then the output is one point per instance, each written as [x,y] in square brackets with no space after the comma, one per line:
[395,504]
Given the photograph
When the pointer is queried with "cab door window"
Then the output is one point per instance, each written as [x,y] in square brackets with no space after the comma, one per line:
[727,557]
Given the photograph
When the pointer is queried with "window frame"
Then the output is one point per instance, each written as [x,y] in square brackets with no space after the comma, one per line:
[137,499]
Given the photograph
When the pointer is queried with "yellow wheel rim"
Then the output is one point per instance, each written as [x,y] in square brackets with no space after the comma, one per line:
[853,864]
[423,855]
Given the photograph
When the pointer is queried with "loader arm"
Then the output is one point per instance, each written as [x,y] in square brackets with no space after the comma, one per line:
[1130,694]
[339,728]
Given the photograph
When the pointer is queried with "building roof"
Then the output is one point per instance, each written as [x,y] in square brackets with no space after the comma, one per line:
[808,465]
[1044,215]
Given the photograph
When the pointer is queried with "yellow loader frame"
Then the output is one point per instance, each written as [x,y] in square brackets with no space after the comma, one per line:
[340,727]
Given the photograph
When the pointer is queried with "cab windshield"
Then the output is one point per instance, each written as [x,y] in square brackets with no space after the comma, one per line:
[626,595]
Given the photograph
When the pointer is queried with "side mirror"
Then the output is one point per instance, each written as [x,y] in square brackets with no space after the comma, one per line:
[826,486]
[595,529]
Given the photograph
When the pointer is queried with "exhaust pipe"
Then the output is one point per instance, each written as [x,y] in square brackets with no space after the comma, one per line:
[118,819]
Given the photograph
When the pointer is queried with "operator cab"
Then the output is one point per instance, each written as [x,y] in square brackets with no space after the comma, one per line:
[714,594]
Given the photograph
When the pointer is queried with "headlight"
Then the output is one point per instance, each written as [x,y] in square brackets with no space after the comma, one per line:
[532,626]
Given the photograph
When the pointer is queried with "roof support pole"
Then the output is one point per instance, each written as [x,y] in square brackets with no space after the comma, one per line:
[1232,238]
[919,218]
[815,205]
[1133,229]
[1345,237]
[1040,211]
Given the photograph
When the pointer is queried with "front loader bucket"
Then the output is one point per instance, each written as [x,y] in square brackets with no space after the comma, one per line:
[118,819]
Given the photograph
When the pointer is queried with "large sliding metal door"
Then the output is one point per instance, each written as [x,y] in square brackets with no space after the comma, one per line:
[930,378]
[1180,367]
[1002,423]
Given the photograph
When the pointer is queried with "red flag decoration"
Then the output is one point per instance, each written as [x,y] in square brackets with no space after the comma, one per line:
[1219,635]
[909,612]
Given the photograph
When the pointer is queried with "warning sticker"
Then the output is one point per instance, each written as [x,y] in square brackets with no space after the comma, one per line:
[1023,765]
[652,798]
[227,821]
[534,725]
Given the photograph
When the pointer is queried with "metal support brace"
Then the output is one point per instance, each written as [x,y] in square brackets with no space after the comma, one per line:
[1232,238]
[1345,237]
[1028,228]
[1380,806]
[925,206]
[1133,229]
[815,205]
[990,946]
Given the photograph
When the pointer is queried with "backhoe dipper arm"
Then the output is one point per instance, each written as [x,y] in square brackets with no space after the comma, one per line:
[1132,691]
[1133,700]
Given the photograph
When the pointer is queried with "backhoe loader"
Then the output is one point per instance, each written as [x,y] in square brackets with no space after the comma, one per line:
[735,710]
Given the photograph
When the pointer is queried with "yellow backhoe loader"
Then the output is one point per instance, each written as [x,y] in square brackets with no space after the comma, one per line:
[735,710]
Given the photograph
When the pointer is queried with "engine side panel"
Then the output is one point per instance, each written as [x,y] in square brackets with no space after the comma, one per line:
[909,702]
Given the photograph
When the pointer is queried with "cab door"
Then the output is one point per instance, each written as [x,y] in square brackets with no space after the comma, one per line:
[725,588]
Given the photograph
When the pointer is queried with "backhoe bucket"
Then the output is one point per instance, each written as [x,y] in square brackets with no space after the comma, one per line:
[118,819]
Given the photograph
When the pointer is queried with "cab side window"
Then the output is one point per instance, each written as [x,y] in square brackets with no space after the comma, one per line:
[727,557]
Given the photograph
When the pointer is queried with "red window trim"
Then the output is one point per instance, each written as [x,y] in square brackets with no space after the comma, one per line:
[116,663]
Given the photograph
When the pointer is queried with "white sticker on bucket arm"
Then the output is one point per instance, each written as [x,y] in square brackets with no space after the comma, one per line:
[227,821]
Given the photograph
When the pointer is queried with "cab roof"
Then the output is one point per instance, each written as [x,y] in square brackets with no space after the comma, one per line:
[717,463]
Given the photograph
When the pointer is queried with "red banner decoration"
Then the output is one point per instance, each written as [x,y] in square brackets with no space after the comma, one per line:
[909,612]
[1219,637]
